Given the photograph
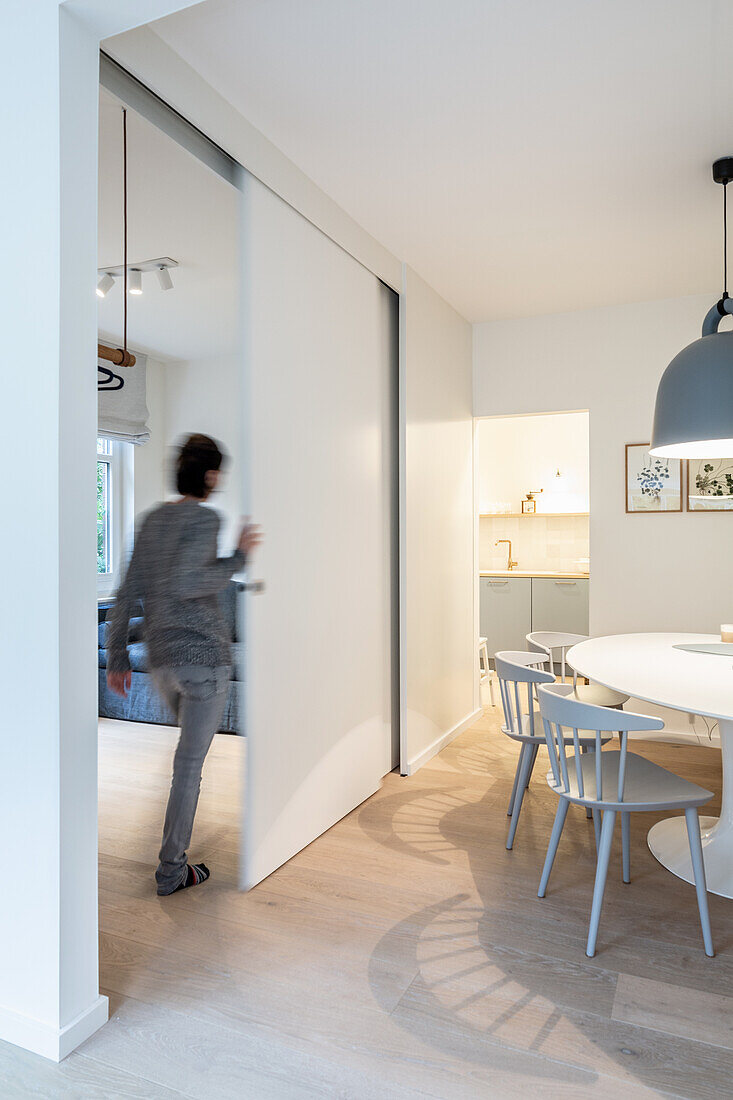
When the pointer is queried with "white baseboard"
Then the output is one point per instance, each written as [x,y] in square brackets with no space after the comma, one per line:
[440,742]
[52,1042]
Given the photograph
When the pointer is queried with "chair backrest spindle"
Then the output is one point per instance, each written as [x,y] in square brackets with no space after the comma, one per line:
[624,739]
[554,759]
[578,768]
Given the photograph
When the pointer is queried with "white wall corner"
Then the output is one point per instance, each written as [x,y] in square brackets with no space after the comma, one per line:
[54,1043]
[440,742]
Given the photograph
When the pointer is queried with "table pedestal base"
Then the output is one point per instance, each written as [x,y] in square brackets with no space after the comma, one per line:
[668,843]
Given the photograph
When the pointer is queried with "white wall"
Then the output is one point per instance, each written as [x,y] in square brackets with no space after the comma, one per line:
[205,395]
[556,543]
[648,572]
[200,395]
[48,917]
[439,684]
[521,454]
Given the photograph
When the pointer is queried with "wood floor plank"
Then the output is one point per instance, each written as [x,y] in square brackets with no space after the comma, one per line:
[24,1075]
[674,1009]
[207,1061]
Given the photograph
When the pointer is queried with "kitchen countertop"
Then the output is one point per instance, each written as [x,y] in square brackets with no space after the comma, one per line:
[533,573]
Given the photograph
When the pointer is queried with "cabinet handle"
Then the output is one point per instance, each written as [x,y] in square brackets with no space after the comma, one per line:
[566,582]
[494,583]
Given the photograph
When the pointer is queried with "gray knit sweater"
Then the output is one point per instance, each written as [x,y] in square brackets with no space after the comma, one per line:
[175,572]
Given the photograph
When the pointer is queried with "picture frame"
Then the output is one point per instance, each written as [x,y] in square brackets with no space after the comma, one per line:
[652,485]
[709,485]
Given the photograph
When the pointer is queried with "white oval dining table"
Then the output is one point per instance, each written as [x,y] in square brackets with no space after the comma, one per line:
[649,667]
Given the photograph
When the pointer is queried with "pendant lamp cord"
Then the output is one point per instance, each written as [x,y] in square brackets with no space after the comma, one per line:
[124,230]
[725,240]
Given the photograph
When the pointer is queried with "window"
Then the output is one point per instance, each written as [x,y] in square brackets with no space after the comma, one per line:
[104,505]
[114,510]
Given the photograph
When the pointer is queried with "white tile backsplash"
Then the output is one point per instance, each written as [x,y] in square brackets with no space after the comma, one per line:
[538,542]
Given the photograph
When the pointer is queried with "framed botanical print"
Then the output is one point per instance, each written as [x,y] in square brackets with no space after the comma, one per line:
[710,485]
[652,484]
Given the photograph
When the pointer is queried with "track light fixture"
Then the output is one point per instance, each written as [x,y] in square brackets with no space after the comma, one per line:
[105,283]
[161,265]
[164,278]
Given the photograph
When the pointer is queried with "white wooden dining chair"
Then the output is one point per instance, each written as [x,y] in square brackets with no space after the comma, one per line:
[613,782]
[519,673]
[556,643]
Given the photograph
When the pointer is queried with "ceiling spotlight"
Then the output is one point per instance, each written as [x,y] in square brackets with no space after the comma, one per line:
[164,278]
[135,280]
[105,283]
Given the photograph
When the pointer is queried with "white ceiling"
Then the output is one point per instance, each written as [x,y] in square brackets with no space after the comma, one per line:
[179,208]
[523,156]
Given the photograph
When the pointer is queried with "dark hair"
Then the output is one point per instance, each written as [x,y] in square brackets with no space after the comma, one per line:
[196,456]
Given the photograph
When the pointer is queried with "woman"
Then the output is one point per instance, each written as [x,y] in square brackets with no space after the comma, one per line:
[176,573]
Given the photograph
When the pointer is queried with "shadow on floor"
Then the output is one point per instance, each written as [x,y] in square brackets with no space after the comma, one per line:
[502,978]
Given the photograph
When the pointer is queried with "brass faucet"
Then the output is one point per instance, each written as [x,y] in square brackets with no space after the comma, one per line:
[510,564]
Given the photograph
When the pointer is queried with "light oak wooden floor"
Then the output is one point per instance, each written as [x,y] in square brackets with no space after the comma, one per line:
[403,954]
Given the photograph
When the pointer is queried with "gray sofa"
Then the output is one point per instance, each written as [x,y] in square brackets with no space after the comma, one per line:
[142,703]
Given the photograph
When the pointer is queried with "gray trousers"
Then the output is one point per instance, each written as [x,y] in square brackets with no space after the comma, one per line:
[197,696]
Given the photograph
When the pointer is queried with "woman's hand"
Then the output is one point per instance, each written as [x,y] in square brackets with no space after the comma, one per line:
[250,538]
[119,682]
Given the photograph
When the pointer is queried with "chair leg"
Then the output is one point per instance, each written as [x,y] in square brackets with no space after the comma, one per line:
[513,795]
[604,853]
[535,750]
[596,815]
[698,867]
[626,844]
[521,787]
[491,687]
[560,815]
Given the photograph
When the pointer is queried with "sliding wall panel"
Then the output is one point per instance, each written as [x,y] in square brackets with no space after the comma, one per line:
[319,350]
[439,678]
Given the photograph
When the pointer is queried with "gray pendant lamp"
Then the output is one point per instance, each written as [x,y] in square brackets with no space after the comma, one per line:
[693,415]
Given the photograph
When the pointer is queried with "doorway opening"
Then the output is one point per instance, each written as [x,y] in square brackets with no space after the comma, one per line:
[183,329]
[532,476]
[258,363]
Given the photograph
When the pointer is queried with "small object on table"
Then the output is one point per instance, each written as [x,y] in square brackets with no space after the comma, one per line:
[726,632]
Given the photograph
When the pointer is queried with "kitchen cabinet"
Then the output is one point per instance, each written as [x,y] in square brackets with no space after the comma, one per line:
[560,604]
[505,612]
[509,608]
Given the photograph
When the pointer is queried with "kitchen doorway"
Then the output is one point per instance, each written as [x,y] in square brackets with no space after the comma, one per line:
[532,476]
